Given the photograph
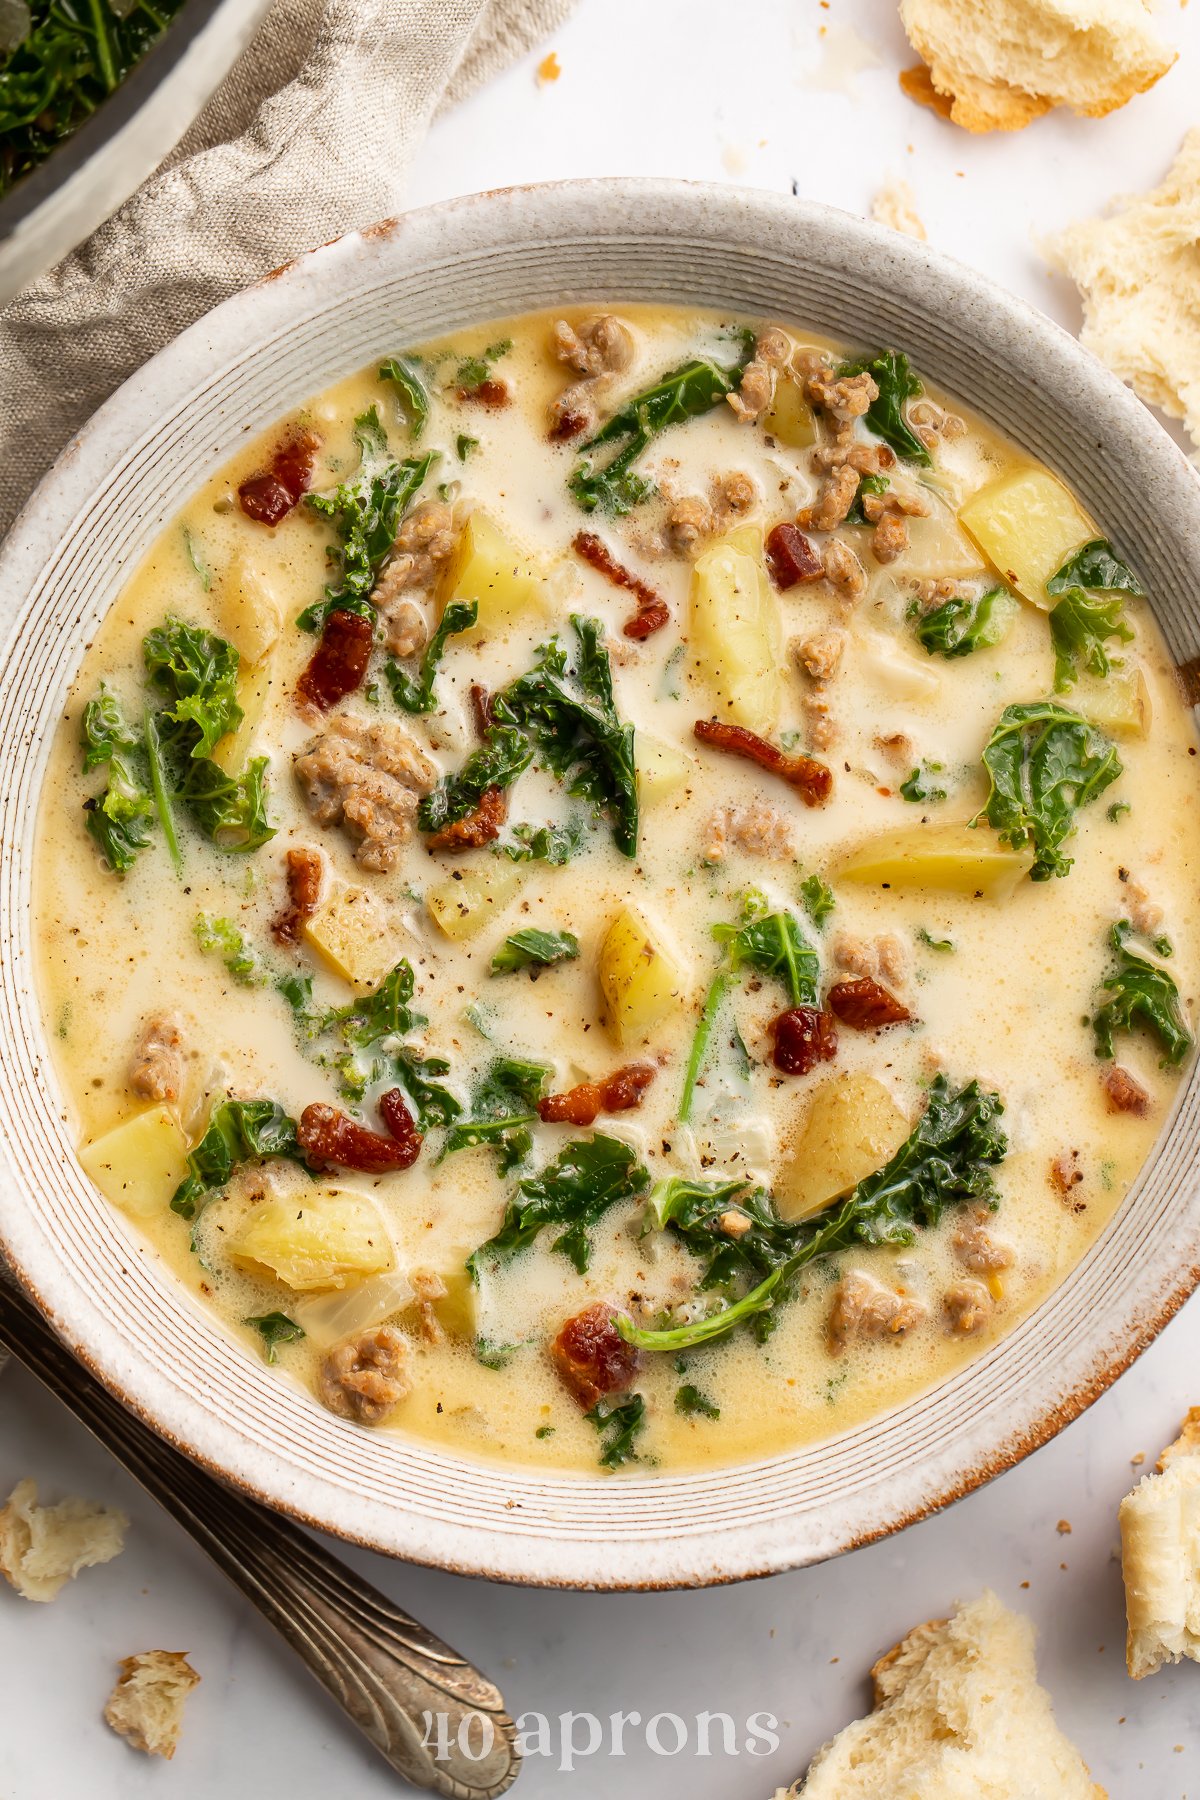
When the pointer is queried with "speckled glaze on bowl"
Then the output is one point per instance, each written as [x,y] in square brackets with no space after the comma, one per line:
[85,529]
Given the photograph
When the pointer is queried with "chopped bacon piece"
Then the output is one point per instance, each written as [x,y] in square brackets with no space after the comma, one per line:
[567,426]
[339,662]
[478,828]
[304,869]
[619,1092]
[804,1036]
[492,394]
[865,1006]
[271,494]
[811,779]
[481,706]
[1123,1094]
[652,610]
[791,558]
[393,1109]
[332,1139]
[592,1357]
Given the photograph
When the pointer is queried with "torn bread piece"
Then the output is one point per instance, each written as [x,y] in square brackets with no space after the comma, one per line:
[146,1706]
[44,1547]
[958,1710]
[999,64]
[896,205]
[1160,1557]
[1138,272]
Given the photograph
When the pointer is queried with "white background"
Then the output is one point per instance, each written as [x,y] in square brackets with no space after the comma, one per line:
[702,89]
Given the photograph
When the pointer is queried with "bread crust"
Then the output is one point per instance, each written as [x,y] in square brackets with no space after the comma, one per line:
[1160,1558]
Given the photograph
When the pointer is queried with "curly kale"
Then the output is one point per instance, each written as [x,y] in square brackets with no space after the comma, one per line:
[1045,763]
[1141,992]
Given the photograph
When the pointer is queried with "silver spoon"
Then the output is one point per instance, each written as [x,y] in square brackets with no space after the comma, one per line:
[384,1670]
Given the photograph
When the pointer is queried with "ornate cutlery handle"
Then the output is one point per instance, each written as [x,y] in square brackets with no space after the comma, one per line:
[436,1720]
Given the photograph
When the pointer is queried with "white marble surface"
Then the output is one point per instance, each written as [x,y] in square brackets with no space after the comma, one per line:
[706,90]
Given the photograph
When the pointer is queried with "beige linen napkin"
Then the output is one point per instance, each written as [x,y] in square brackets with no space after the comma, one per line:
[310,136]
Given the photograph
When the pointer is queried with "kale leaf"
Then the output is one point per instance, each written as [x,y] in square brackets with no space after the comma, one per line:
[698,1212]
[361,1042]
[572,716]
[503,1108]
[222,937]
[818,899]
[366,511]
[1045,763]
[554,844]
[406,375]
[1096,567]
[919,788]
[963,624]
[772,943]
[525,949]
[474,370]
[868,484]
[1080,625]
[119,817]
[275,1328]
[684,393]
[691,1402]
[415,694]
[575,1190]
[238,1131]
[1141,993]
[897,385]
[947,1159]
[618,1418]
[506,754]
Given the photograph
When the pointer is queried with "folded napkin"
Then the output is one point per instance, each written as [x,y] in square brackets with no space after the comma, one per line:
[310,136]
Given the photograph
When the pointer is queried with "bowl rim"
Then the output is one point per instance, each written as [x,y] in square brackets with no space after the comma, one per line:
[695,211]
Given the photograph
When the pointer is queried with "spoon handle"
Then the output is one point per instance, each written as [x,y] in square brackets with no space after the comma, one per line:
[432,1716]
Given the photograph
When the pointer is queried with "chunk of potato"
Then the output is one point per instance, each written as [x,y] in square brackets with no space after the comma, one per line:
[952,858]
[323,1238]
[472,898]
[249,613]
[640,977]
[354,935]
[1119,702]
[938,547]
[233,750]
[661,768]
[894,672]
[507,586]
[851,1128]
[1026,524]
[789,418]
[737,630]
[140,1162]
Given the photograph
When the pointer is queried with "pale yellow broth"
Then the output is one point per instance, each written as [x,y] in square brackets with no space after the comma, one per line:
[1008,1005]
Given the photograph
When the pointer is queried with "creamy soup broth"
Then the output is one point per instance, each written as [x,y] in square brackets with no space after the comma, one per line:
[994,975]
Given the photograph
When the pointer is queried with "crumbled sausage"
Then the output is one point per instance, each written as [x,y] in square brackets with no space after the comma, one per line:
[477,828]
[591,1356]
[843,571]
[976,1248]
[652,611]
[1145,914]
[844,449]
[812,780]
[333,1140]
[935,591]
[405,632]
[157,1069]
[1122,1093]
[270,495]
[1065,1172]
[820,725]
[756,390]
[890,513]
[884,956]
[791,558]
[897,746]
[757,829]
[428,1288]
[803,1037]
[598,349]
[304,871]
[690,519]
[864,1308]
[820,657]
[339,662]
[841,398]
[688,522]
[425,542]
[367,775]
[866,1006]
[968,1306]
[835,497]
[621,1091]
[933,425]
[367,1377]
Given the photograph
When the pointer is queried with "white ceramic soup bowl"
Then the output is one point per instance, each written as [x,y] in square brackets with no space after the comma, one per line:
[100,508]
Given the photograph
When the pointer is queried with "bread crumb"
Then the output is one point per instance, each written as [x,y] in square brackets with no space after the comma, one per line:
[996,65]
[44,1547]
[1136,273]
[1160,1557]
[1137,1459]
[549,69]
[146,1706]
[896,205]
[1063,1528]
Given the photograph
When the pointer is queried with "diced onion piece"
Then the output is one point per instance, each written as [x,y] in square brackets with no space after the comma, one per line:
[341,1315]
[894,672]
[139,1163]
[1026,524]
